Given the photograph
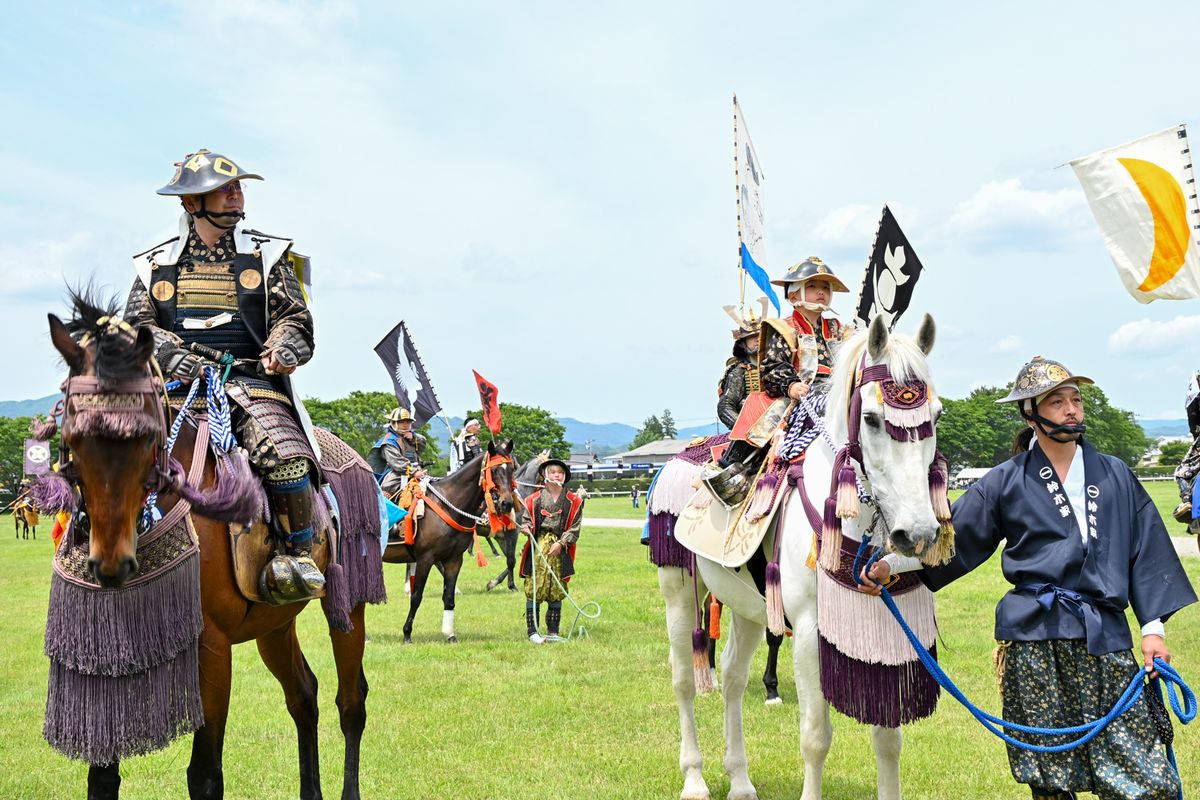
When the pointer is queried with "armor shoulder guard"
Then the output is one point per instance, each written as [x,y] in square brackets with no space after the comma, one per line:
[143,262]
[273,248]
[779,326]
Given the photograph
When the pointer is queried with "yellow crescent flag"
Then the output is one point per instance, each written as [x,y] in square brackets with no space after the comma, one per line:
[1143,195]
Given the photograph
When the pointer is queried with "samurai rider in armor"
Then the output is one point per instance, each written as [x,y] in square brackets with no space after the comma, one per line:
[1188,510]
[795,358]
[466,445]
[221,288]
[397,454]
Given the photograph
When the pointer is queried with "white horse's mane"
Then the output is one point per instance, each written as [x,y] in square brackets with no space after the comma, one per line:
[903,357]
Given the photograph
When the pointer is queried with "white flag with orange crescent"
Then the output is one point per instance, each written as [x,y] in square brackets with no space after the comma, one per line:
[1143,195]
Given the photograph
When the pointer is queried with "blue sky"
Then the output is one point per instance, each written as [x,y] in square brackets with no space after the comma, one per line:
[545,192]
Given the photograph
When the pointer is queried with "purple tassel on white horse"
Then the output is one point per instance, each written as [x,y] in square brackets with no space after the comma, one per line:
[764,495]
[775,622]
[700,670]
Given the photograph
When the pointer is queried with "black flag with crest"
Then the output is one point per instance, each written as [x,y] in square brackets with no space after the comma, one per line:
[414,391]
[892,274]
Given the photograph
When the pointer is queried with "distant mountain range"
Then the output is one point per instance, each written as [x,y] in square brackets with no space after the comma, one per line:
[28,408]
[1164,427]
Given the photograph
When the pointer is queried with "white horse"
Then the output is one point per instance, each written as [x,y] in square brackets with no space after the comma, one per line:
[897,477]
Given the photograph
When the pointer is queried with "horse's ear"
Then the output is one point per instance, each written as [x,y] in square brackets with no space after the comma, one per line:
[65,344]
[926,334]
[508,447]
[143,348]
[491,447]
[877,338]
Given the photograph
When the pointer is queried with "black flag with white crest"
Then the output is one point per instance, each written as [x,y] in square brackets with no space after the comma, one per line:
[892,274]
[414,391]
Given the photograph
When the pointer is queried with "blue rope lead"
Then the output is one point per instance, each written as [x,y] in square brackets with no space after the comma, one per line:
[1185,712]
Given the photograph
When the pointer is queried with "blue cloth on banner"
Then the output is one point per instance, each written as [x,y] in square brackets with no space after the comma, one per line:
[759,276]
[649,492]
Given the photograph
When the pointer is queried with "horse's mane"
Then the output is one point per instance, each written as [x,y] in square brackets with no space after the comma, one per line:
[116,356]
[903,357]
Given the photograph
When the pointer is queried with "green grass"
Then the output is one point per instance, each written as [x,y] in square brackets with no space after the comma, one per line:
[496,717]
[615,508]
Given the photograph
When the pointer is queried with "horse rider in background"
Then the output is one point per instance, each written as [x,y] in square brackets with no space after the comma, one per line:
[466,445]
[397,454]
[1188,510]
[219,288]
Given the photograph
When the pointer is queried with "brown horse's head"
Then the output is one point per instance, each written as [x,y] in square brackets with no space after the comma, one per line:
[501,475]
[111,430]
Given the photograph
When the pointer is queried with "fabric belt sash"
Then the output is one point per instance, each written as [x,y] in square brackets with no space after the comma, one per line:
[1076,604]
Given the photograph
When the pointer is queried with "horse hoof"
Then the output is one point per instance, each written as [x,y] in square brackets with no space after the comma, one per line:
[774,701]
[452,640]
[491,585]
[408,640]
[512,588]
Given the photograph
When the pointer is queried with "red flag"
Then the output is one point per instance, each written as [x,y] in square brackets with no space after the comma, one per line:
[489,401]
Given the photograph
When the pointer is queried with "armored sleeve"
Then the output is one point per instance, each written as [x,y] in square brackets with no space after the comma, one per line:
[394,458]
[571,534]
[139,312]
[733,395]
[777,370]
[291,323]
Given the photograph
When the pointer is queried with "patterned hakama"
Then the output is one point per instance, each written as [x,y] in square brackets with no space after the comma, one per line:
[1057,684]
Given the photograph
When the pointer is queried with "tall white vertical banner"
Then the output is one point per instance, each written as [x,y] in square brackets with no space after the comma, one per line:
[1143,195]
[751,227]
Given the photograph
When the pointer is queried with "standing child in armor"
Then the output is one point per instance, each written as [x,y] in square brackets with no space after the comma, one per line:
[552,523]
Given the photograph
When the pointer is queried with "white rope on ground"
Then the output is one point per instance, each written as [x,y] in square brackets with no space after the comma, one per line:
[580,611]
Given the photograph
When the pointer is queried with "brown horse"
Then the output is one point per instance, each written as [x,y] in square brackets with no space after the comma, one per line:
[448,526]
[112,470]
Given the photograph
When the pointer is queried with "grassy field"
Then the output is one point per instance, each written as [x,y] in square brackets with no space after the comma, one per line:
[497,717]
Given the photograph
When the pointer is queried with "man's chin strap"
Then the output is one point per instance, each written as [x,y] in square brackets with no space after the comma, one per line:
[1055,431]
[218,220]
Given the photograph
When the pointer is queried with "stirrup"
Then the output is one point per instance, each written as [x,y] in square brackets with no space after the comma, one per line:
[727,484]
[290,579]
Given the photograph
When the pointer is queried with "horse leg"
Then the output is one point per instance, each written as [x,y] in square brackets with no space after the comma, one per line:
[676,587]
[414,601]
[351,695]
[770,676]
[816,731]
[888,742]
[205,778]
[450,573]
[104,782]
[744,636]
[510,560]
[280,651]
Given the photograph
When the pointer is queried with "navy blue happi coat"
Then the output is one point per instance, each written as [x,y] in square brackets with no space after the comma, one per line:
[1063,588]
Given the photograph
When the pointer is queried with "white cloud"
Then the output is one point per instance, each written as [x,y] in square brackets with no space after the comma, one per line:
[852,225]
[1156,336]
[1006,215]
[1009,344]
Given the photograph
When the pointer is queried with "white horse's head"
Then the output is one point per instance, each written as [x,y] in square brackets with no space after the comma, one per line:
[882,403]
